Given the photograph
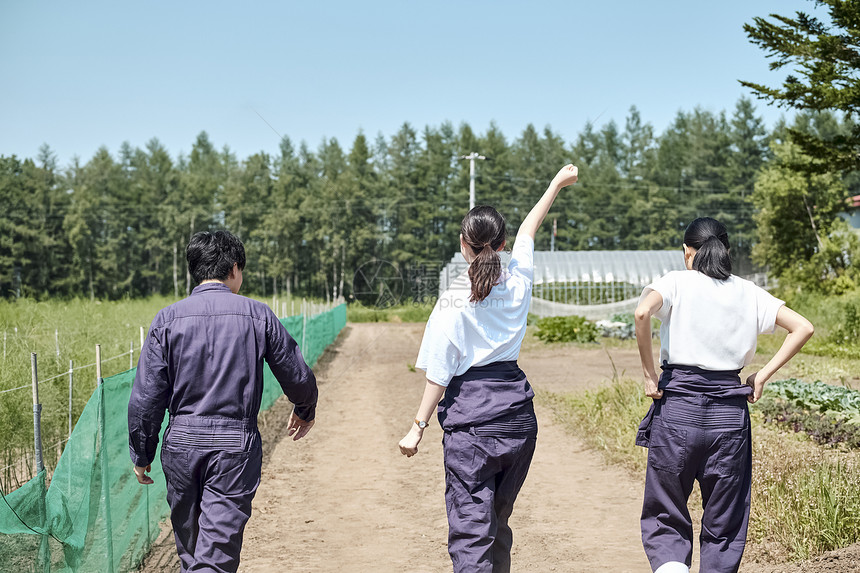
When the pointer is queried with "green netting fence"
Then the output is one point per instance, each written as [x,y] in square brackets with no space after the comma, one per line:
[91,514]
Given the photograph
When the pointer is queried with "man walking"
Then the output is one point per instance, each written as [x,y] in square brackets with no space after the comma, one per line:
[203,362]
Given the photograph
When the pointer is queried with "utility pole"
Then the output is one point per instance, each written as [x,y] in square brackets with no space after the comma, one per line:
[472,157]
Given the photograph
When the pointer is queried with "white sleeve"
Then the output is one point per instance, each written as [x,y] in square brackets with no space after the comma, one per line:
[523,258]
[767,306]
[438,356]
[665,285]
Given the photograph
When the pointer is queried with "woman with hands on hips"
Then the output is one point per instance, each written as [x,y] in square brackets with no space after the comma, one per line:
[698,426]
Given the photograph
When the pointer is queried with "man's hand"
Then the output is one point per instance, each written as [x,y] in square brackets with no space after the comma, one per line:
[651,388]
[409,443]
[140,473]
[298,428]
[567,175]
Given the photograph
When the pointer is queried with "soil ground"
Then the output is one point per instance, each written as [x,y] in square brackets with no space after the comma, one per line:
[344,500]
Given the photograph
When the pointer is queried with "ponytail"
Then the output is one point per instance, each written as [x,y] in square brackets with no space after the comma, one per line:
[711,240]
[484,273]
[483,230]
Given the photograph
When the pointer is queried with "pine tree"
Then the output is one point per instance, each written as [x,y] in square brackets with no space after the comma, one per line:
[824,58]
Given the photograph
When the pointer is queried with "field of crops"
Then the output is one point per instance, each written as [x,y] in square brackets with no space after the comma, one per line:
[829,414]
[62,333]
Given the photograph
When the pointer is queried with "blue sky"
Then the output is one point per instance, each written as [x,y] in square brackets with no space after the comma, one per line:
[80,75]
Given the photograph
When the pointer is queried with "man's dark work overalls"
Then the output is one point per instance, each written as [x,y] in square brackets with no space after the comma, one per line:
[203,363]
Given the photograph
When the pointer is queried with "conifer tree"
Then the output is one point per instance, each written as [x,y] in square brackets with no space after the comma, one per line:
[823,60]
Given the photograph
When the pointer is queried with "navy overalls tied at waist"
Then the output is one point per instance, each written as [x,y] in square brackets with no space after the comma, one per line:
[698,431]
[490,435]
[720,395]
[492,399]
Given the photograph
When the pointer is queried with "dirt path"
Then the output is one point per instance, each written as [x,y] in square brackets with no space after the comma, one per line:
[344,499]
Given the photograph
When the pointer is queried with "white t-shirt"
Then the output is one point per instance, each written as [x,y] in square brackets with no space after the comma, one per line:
[710,323]
[461,334]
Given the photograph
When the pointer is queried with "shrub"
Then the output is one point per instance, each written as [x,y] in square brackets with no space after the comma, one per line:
[566,329]
[848,332]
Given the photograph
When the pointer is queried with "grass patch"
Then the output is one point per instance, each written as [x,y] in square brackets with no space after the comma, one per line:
[836,320]
[834,349]
[606,419]
[806,498]
[74,327]
[413,312]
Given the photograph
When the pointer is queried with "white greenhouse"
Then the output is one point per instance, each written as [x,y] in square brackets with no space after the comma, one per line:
[593,284]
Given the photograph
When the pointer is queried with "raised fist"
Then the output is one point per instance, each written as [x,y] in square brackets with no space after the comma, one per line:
[567,175]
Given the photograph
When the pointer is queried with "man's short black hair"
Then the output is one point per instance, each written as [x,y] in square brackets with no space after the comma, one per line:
[212,255]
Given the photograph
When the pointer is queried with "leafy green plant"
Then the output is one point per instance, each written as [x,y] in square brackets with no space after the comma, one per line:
[625,317]
[566,329]
[817,396]
[824,427]
[828,414]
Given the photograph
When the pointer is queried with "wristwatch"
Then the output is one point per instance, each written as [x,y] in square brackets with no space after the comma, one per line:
[421,423]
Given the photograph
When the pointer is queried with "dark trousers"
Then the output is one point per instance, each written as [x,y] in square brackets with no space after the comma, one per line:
[212,467]
[483,475]
[704,439]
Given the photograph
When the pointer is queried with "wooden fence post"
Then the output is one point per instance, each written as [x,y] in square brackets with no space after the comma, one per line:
[37,415]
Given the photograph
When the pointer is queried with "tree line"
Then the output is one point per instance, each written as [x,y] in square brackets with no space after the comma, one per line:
[116,226]
[800,194]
